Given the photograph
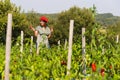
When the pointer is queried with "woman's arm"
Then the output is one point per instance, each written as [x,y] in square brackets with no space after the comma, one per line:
[35,31]
[51,30]
[49,36]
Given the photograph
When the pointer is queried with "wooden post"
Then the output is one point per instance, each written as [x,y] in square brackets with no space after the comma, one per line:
[117,39]
[59,43]
[8,46]
[70,46]
[83,51]
[21,48]
[37,46]
[103,50]
[65,44]
[31,44]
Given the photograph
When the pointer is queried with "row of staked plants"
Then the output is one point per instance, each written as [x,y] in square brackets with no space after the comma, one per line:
[102,60]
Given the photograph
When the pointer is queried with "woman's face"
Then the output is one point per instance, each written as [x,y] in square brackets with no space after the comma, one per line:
[42,23]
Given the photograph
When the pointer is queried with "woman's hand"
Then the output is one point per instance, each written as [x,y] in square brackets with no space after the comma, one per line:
[49,36]
[51,29]
[32,28]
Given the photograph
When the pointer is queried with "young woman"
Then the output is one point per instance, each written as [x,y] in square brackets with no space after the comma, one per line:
[42,32]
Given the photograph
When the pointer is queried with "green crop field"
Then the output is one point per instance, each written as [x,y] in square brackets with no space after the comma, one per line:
[51,64]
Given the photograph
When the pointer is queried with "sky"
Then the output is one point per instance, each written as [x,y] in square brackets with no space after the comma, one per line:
[56,6]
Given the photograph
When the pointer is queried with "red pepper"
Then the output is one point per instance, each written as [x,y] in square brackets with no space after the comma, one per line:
[102,71]
[63,62]
[110,66]
[93,67]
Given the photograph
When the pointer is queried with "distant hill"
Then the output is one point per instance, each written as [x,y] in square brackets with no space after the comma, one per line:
[107,19]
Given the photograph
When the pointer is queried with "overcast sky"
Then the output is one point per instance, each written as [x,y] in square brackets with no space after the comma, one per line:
[56,6]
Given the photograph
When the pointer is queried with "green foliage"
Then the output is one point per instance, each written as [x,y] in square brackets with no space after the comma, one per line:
[49,63]
[115,28]
[52,63]
[5,7]
[82,18]
[19,19]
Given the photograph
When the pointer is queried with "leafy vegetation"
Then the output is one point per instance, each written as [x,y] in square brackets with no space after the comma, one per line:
[102,51]
[52,63]
[19,19]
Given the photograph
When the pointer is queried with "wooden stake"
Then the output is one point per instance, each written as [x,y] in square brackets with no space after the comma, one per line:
[117,39]
[59,43]
[65,46]
[38,48]
[70,46]
[8,46]
[83,51]
[103,50]
[21,48]
[31,44]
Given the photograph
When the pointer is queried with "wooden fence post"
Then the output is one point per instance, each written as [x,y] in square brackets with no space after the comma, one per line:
[117,39]
[65,46]
[83,51]
[59,43]
[38,48]
[8,46]
[70,46]
[21,48]
[31,44]
[103,50]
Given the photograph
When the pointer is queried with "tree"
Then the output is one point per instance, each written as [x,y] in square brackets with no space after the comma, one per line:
[82,18]
[115,28]
[19,19]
